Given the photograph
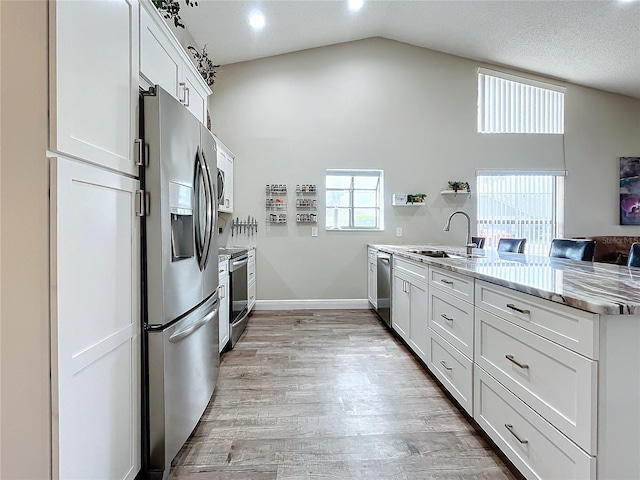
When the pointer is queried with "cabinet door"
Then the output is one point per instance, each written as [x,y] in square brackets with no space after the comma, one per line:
[94,81]
[95,323]
[372,282]
[225,163]
[160,62]
[418,328]
[400,306]
[224,311]
[195,98]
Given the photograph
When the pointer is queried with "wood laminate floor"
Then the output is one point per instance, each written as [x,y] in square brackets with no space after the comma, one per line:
[330,394]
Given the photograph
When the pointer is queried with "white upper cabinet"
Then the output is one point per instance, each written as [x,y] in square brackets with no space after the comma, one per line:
[94,81]
[164,62]
[225,166]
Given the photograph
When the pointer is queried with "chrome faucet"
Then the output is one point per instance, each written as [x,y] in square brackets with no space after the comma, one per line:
[468,243]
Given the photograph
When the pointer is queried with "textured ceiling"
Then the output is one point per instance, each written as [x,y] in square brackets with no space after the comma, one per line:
[592,43]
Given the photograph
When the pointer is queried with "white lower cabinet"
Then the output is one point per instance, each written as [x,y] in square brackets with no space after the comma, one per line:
[409,305]
[372,277]
[557,383]
[95,322]
[223,296]
[556,388]
[453,369]
[251,279]
[535,447]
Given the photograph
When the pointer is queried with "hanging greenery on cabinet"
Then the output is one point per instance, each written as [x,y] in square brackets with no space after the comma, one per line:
[170,9]
[204,64]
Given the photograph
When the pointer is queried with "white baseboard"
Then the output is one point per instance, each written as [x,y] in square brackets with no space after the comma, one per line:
[323,304]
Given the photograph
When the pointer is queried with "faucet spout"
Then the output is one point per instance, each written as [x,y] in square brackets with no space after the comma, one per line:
[447,227]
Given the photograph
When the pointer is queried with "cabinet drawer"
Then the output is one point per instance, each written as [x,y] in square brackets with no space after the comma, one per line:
[453,369]
[575,329]
[373,254]
[536,448]
[223,268]
[417,271]
[459,285]
[452,319]
[557,383]
[251,266]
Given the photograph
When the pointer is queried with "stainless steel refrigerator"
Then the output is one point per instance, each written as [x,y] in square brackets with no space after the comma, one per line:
[180,275]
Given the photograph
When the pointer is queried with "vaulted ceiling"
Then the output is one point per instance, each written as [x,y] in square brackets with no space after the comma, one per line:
[588,42]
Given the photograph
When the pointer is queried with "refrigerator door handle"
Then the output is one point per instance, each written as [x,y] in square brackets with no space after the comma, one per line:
[176,337]
[212,207]
[206,244]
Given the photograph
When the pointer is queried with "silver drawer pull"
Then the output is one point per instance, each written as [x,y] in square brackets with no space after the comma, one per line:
[444,315]
[512,432]
[513,307]
[447,282]
[513,360]
[445,365]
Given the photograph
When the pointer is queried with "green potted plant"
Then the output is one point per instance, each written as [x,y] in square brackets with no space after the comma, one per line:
[416,197]
[458,186]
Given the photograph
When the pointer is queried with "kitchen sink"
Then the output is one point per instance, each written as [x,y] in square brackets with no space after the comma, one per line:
[443,254]
[432,253]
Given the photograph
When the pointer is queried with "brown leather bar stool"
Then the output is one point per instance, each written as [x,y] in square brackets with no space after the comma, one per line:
[572,249]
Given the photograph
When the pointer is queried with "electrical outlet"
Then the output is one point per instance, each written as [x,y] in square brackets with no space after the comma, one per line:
[398,231]
[314,231]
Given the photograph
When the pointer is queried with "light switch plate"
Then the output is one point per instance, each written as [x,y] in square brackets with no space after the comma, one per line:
[314,231]
[398,231]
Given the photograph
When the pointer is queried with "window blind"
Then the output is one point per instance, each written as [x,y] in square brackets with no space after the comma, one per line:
[520,206]
[511,104]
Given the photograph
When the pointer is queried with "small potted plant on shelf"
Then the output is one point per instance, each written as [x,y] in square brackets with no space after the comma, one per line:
[416,197]
[457,186]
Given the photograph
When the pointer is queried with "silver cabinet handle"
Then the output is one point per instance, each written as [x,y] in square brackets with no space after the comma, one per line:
[445,365]
[520,310]
[513,360]
[512,432]
[183,100]
[187,96]
[222,293]
[446,282]
[444,315]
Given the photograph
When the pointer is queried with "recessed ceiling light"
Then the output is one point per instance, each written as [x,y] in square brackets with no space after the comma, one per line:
[355,5]
[256,20]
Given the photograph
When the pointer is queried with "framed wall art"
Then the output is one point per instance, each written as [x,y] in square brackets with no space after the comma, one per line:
[629,190]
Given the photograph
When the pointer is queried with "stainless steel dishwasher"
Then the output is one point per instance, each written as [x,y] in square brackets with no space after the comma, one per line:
[384,288]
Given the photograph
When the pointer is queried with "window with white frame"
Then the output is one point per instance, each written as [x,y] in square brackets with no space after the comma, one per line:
[520,205]
[513,104]
[354,200]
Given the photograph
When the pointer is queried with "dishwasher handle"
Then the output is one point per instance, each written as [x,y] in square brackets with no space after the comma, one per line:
[384,258]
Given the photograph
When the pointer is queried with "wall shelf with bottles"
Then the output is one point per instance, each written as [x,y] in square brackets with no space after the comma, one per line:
[276,203]
[306,218]
[305,204]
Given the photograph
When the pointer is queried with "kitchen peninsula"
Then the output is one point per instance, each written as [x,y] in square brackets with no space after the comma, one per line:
[543,353]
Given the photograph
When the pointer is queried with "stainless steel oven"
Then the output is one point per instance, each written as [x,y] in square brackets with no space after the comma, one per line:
[238,292]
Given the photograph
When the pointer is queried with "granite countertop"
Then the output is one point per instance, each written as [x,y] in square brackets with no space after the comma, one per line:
[594,287]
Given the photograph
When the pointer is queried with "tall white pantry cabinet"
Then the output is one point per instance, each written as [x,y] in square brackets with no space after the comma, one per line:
[94,239]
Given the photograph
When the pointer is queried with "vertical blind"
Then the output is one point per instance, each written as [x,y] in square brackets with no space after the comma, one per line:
[528,205]
[511,104]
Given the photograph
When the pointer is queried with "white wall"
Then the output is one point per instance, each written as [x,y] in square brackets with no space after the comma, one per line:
[377,103]
[24,348]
